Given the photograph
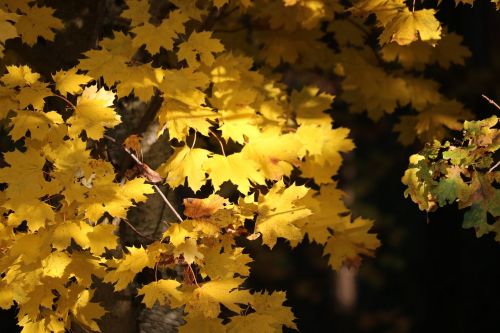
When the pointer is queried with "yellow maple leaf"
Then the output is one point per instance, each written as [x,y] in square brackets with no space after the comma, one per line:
[272,304]
[137,12]
[202,45]
[204,301]
[35,212]
[309,104]
[235,168]
[164,292]
[7,28]
[275,153]
[25,171]
[450,50]
[177,234]
[55,264]
[127,268]
[327,209]
[86,312]
[107,196]
[407,27]
[142,80]
[69,81]
[93,113]
[65,231]
[100,238]
[85,267]
[224,265]
[38,21]
[111,62]
[179,116]
[168,29]
[36,122]
[350,240]
[325,144]
[240,124]
[185,164]
[189,250]
[278,211]
[202,325]
[19,76]
[190,9]
[33,95]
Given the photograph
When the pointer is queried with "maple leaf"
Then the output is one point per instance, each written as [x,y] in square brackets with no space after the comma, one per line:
[350,240]
[55,264]
[111,61]
[19,76]
[309,104]
[25,171]
[37,21]
[270,315]
[33,95]
[272,303]
[199,44]
[177,234]
[224,265]
[84,267]
[126,268]
[35,212]
[276,154]
[106,196]
[189,250]
[141,80]
[205,300]
[327,208]
[93,113]
[190,8]
[36,122]
[168,29]
[329,147]
[69,81]
[101,237]
[164,292]
[7,28]
[234,168]
[86,312]
[202,324]
[406,27]
[197,208]
[278,211]
[184,164]
[180,116]
[137,11]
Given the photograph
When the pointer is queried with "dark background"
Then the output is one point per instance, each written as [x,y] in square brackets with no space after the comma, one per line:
[429,275]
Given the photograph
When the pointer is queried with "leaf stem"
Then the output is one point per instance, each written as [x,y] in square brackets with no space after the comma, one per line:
[218,139]
[491,101]
[154,186]
[66,100]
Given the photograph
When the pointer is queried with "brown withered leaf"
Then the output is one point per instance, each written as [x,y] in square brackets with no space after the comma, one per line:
[197,208]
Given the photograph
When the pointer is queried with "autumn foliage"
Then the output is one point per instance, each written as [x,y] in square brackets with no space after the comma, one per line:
[217,67]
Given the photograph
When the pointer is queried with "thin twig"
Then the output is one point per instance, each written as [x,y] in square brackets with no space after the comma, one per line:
[494,167]
[194,140]
[154,186]
[491,101]
[168,203]
[194,275]
[137,231]
[66,100]
[220,142]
